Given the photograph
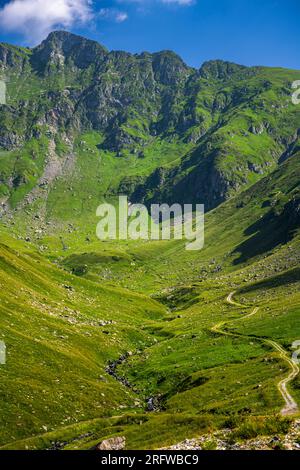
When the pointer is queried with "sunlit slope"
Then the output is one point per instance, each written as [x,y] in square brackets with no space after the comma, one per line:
[60,332]
[261,223]
[58,341]
[249,227]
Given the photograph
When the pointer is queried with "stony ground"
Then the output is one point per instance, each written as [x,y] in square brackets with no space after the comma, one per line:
[223,440]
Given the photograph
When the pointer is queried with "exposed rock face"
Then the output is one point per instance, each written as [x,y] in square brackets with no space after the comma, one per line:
[114,443]
[10,140]
[218,69]
[230,130]
[10,57]
[204,183]
[62,49]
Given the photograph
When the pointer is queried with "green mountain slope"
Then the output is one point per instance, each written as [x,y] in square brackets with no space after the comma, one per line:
[230,124]
[61,332]
[137,338]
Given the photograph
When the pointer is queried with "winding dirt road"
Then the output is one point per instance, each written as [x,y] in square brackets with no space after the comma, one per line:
[291,406]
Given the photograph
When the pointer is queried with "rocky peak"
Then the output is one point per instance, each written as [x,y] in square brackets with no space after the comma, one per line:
[219,69]
[61,47]
[169,68]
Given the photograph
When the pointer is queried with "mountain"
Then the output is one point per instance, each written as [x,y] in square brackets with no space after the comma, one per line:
[230,124]
[143,339]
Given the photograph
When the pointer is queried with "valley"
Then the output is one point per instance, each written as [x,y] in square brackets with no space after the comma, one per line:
[144,339]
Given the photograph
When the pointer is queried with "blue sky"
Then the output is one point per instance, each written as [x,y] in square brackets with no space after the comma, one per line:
[250,32]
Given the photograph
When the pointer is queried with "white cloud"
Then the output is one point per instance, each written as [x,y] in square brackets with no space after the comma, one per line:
[179,2]
[121,16]
[37,18]
[113,14]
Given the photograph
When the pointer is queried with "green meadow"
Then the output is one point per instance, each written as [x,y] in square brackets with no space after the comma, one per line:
[143,338]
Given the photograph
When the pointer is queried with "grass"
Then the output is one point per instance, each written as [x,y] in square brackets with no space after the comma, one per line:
[56,347]
[201,378]
[70,303]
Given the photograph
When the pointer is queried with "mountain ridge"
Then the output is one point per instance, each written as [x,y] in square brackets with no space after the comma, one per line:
[233,123]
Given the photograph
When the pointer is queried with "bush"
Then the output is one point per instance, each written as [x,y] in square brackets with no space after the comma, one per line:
[80,270]
[259,426]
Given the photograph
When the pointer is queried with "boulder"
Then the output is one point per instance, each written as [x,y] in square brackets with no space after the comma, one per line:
[114,443]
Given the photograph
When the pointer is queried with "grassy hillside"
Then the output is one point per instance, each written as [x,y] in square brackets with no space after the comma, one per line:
[139,338]
[62,330]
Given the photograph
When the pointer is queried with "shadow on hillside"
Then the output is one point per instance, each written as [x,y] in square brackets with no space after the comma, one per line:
[283,279]
[271,230]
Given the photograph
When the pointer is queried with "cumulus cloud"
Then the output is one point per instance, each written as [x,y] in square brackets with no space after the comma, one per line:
[37,18]
[113,14]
